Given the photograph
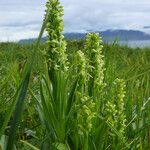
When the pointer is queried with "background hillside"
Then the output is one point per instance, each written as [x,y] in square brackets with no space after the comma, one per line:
[108,36]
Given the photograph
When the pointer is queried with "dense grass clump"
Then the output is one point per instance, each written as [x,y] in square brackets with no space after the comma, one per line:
[73,95]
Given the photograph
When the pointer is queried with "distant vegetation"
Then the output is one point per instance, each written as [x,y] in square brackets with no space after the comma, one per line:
[74,95]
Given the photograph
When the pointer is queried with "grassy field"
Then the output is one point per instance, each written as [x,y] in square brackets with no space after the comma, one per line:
[74,95]
[131,65]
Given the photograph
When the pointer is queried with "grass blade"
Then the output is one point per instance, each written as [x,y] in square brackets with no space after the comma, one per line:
[23,92]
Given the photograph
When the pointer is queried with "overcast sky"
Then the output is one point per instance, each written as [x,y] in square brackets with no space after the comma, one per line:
[21,19]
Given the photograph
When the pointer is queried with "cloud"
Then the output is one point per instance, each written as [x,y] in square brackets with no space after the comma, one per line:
[23,18]
[20,19]
[106,14]
[17,33]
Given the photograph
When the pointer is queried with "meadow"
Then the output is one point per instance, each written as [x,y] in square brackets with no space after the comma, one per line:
[73,95]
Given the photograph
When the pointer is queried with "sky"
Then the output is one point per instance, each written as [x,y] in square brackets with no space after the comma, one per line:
[22,19]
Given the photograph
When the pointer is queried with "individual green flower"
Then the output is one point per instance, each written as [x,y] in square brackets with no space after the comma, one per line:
[56,51]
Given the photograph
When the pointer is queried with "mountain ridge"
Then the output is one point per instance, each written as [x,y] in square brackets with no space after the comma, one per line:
[107,36]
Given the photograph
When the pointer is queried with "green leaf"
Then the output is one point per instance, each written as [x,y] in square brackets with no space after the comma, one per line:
[23,91]
[61,146]
[29,145]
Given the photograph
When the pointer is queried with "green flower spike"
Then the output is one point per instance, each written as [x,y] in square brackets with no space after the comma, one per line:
[93,49]
[56,51]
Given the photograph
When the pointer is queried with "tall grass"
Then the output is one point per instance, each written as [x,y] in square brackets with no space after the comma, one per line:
[20,96]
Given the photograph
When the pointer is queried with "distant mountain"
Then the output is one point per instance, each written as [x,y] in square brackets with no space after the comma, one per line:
[108,36]
[146,27]
[125,35]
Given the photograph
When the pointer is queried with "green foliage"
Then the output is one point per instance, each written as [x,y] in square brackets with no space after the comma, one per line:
[86,95]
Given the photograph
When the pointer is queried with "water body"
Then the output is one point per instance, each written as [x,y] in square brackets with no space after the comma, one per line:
[134,44]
